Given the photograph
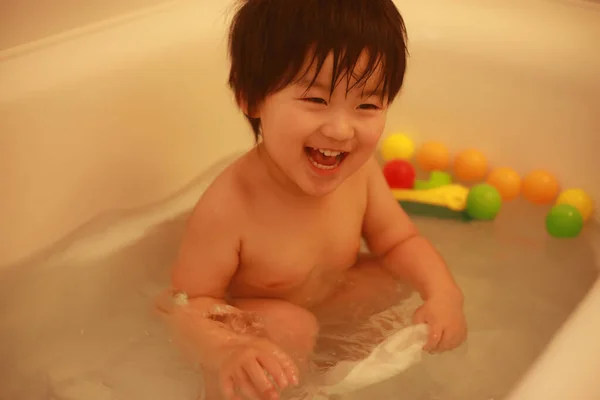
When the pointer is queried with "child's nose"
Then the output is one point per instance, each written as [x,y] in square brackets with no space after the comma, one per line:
[338,128]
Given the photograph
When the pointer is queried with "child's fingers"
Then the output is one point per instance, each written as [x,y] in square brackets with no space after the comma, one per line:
[435,334]
[289,367]
[228,388]
[455,340]
[245,386]
[434,339]
[447,343]
[260,381]
[419,316]
[275,369]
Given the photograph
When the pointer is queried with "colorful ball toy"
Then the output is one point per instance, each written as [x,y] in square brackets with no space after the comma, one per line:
[578,199]
[483,202]
[540,187]
[507,181]
[397,147]
[399,174]
[564,221]
[433,156]
[470,166]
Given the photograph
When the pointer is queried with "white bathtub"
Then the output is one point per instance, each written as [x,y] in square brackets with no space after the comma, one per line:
[126,113]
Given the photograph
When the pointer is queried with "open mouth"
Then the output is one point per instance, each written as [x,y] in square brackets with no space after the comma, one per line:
[324,159]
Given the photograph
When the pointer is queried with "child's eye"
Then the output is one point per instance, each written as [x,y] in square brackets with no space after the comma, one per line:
[316,100]
[368,107]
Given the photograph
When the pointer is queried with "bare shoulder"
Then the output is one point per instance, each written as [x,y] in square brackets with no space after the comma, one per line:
[371,174]
[378,190]
[385,222]
[209,252]
[373,168]
[221,203]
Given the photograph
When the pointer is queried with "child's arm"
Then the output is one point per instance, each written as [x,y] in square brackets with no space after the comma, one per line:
[216,334]
[391,234]
[206,263]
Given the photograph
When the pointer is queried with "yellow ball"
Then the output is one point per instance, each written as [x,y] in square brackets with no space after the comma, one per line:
[578,199]
[397,146]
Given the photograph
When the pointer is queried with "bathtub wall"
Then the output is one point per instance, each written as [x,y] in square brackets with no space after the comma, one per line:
[24,21]
[517,79]
[125,113]
[117,118]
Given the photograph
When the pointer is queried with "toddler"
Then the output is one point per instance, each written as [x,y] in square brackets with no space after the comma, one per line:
[273,245]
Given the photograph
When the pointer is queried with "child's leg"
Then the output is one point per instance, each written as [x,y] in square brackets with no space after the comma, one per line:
[367,289]
[366,309]
[291,327]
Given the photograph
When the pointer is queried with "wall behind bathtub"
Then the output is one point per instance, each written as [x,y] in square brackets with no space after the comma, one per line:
[117,118]
[517,79]
[127,114]
[24,21]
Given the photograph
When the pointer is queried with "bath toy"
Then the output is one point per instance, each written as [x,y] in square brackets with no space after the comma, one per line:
[540,187]
[399,174]
[397,146]
[433,156]
[436,179]
[507,181]
[483,202]
[470,166]
[578,199]
[452,196]
[434,211]
[564,221]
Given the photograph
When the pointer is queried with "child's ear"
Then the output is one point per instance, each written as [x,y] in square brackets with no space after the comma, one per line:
[254,113]
[243,105]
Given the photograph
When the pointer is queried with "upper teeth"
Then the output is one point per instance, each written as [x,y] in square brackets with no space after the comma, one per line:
[330,153]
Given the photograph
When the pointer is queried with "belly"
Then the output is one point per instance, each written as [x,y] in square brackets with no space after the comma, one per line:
[304,275]
[306,289]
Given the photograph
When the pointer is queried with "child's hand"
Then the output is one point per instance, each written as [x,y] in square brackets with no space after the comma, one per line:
[245,370]
[446,320]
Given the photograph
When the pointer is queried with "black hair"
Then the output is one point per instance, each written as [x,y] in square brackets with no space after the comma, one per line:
[271,40]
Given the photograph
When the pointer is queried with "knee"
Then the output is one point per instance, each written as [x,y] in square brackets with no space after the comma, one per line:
[296,329]
[285,322]
[300,322]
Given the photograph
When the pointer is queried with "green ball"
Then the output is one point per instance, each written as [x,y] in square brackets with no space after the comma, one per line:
[564,221]
[483,202]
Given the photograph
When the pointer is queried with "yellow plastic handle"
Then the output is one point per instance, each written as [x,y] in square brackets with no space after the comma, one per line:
[453,196]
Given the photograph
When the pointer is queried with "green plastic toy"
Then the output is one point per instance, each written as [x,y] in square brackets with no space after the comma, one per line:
[436,180]
[564,221]
[483,202]
[434,211]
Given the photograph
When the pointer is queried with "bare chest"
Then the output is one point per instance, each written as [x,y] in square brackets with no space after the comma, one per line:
[298,254]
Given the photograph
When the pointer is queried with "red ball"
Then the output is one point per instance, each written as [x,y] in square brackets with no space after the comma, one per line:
[399,174]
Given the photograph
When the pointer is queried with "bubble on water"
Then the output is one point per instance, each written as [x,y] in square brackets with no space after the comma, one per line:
[218,309]
[180,298]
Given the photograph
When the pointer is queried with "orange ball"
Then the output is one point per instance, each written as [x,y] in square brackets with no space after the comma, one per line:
[507,181]
[470,166]
[433,156]
[540,187]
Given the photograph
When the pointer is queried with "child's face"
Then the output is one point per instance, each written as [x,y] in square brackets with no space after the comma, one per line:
[317,141]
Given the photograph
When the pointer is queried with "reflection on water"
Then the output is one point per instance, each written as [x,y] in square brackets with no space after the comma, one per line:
[86,329]
[79,324]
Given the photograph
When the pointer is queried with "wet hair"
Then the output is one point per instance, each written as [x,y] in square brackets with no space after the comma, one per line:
[270,42]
